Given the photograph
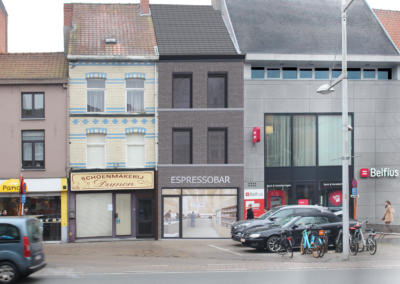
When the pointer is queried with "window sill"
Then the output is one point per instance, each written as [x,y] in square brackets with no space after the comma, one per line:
[33,169]
[39,118]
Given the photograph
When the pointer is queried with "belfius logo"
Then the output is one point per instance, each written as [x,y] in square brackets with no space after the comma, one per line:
[383,172]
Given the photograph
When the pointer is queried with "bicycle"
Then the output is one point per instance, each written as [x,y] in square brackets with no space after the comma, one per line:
[313,245]
[353,243]
[285,244]
[371,244]
[325,242]
[359,236]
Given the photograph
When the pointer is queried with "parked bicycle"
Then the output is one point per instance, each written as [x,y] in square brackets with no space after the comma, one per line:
[325,241]
[312,241]
[284,245]
[369,243]
[353,242]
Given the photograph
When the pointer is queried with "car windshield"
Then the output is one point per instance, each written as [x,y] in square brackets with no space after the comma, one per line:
[284,221]
[266,215]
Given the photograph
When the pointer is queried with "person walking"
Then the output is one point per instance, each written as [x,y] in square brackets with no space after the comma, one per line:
[250,213]
[192,218]
[266,209]
[388,217]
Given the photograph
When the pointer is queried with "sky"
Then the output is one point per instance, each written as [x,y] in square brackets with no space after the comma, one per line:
[37,25]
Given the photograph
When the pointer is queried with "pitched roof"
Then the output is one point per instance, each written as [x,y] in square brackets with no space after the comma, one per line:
[94,23]
[190,30]
[33,66]
[2,8]
[306,27]
[391,22]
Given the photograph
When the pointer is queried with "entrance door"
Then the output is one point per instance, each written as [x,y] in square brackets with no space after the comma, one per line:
[144,217]
[305,193]
[123,214]
[171,220]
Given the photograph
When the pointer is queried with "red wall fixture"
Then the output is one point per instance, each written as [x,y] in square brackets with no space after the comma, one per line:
[275,198]
[256,134]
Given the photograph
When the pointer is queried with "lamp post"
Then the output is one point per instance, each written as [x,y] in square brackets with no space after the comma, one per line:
[327,89]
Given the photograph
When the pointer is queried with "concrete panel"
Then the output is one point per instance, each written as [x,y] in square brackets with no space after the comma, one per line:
[394,198]
[300,91]
[253,161]
[367,146]
[364,91]
[365,185]
[364,105]
[253,120]
[297,105]
[337,105]
[254,91]
[253,174]
[390,132]
[364,119]
[365,212]
[364,133]
[275,105]
[320,105]
[388,184]
[366,199]
[387,120]
[387,105]
[364,159]
[387,146]
[253,106]
[276,91]
[248,134]
[250,148]
[388,159]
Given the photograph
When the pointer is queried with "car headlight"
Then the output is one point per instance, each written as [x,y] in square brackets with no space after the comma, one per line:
[244,225]
[254,236]
[239,234]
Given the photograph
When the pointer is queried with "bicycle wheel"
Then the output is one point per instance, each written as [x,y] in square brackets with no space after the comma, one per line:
[302,248]
[353,246]
[372,245]
[290,251]
[360,241]
[317,249]
[338,243]
[323,249]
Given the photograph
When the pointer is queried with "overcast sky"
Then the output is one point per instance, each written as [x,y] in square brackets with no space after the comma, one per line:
[37,25]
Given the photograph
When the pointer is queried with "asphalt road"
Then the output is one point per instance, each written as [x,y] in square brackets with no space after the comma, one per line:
[334,276]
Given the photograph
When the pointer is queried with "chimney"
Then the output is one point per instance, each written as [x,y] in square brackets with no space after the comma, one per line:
[144,7]
[216,4]
[3,29]
[68,13]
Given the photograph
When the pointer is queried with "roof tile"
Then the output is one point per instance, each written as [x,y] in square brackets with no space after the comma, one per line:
[391,22]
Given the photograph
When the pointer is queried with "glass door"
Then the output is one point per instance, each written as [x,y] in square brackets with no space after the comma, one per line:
[305,193]
[171,214]
[144,217]
[123,214]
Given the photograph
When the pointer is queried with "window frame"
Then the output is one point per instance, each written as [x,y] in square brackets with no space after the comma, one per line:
[219,75]
[135,89]
[97,89]
[96,145]
[33,105]
[135,144]
[183,75]
[190,130]
[32,142]
[225,130]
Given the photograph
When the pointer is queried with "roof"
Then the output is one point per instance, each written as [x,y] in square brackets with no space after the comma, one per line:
[306,27]
[94,23]
[391,22]
[33,66]
[190,30]
[332,217]
[2,8]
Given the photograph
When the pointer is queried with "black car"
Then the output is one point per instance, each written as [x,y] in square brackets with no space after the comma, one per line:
[269,218]
[264,237]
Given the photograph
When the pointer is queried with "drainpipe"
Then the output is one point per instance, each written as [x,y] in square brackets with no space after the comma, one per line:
[156,115]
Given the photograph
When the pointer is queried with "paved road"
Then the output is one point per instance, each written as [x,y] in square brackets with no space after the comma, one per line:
[326,276]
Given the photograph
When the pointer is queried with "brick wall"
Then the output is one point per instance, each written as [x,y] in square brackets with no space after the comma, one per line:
[3,29]
[145,7]
[68,11]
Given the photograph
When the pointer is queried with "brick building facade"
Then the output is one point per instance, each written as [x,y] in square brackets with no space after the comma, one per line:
[3,28]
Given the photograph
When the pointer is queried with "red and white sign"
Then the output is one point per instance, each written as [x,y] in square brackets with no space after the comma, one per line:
[255,197]
[256,134]
[364,173]
[303,201]
[335,198]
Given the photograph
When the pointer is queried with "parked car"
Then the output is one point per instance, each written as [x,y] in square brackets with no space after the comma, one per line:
[275,214]
[265,237]
[21,248]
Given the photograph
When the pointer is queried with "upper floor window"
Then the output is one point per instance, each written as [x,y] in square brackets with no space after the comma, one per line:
[257,73]
[33,105]
[134,95]
[289,73]
[182,146]
[217,95]
[322,73]
[96,150]
[96,89]
[182,91]
[354,73]
[384,74]
[217,146]
[33,149]
[135,148]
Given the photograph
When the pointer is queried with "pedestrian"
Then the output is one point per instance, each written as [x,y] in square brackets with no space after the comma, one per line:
[266,209]
[250,213]
[4,212]
[388,217]
[167,217]
[192,218]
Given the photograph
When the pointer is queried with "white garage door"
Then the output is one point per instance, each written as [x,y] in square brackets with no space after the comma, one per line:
[92,216]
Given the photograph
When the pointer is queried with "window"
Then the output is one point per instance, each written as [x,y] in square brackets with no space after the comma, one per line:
[96,89]
[289,73]
[354,73]
[305,73]
[278,140]
[9,234]
[273,73]
[96,150]
[217,146]
[33,231]
[305,221]
[384,74]
[336,73]
[135,149]
[33,149]
[304,140]
[322,73]
[182,146]
[216,91]
[32,105]
[134,95]
[257,73]
[182,91]
[283,213]
[369,74]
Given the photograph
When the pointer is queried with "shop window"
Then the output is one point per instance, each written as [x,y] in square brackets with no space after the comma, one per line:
[96,89]
[257,73]
[289,73]
[134,95]
[273,73]
[304,140]
[336,73]
[305,73]
[353,73]
[217,146]
[322,73]
[369,74]
[9,234]
[278,140]
[96,150]
[33,149]
[278,194]
[182,146]
[384,74]
[217,93]
[135,148]
[32,105]
[182,91]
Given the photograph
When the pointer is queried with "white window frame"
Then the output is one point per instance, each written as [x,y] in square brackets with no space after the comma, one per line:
[371,68]
[97,144]
[135,89]
[136,144]
[97,89]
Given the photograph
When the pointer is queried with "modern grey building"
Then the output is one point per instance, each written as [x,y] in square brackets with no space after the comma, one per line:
[292,47]
[200,115]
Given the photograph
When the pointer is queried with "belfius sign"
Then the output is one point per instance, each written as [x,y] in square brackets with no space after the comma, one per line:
[383,172]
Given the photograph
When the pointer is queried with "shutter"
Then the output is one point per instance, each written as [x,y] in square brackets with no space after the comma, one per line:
[92,216]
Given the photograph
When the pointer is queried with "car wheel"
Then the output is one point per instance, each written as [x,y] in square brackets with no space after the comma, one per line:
[8,273]
[271,242]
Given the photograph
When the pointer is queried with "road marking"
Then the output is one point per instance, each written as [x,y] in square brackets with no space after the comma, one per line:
[141,271]
[225,250]
[299,268]
[149,265]
[227,269]
[225,264]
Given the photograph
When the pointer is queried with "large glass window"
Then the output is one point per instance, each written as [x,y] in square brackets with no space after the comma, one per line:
[217,146]
[277,140]
[182,91]
[217,91]
[304,140]
[305,73]
[135,148]
[278,194]
[32,105]
[289,73]
[354,73]
[33,149]
[369,74]
[322,73]
[384,74]
[182,146]
[336,73]
[273,73]
[134,95]
[96,150]
[257,73]
[96,89]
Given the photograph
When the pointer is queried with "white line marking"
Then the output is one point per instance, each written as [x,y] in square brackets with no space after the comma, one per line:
[227,269]
[225,250]
[141,271]
[299,268]
[149,265]
[225,264]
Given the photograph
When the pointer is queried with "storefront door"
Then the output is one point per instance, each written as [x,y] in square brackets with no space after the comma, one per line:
[144,217]
[304,193]
[171,220]
[123,214]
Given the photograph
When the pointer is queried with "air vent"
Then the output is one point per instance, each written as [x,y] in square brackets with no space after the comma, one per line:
[252,184]
[111,41]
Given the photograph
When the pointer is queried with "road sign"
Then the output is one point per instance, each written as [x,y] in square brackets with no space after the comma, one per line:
[354,183]
[24,188]
[355,196]
[23,198]
[354,191]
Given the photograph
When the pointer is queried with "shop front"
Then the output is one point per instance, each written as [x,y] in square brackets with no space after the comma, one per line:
[46,199]
[111,204]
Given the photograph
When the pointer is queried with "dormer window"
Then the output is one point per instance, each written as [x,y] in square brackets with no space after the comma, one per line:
[111,41]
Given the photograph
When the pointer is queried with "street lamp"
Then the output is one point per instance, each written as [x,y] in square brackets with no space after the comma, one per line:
[327,89]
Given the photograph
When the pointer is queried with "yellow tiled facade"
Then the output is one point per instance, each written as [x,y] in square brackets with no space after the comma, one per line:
[115,122]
